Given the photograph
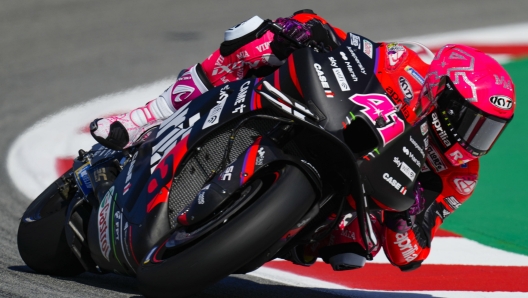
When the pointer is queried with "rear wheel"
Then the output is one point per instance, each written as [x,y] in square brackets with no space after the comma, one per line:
[280,199]
[41,238]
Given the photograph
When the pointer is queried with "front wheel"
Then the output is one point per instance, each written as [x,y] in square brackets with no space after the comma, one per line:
[282,198]
[41,237]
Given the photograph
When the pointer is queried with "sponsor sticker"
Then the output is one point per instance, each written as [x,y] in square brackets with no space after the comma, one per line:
[406,89]
[407,171]
[201,195]
[416,75]
[396,53]
[501,102]
[323,80]
[214,113]
[434,158]
[397,185]
[407,249]
[226,175]
[340,77]
[367,48]
[355,40]
[452,202]
[358,62]
[103,215]
[442,134]
[424,128]
[260,156]
[411,155]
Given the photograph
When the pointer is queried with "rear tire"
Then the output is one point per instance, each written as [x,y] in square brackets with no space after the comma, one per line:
[234,244]
[41,238]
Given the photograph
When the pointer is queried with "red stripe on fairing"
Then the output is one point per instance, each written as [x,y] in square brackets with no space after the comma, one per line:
[177,152]
[130,244]
[63,164]
[249,161]
[426,278]
[154,256]
[255,97]
[161,197]
[276,80]
[293,74]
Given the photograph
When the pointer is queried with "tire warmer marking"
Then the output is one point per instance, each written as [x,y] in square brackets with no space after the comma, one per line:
[293,75]
[113,230]
[255,98]
[248,166]
[178,152]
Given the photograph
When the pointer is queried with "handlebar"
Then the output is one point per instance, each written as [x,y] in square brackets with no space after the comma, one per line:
[277,29]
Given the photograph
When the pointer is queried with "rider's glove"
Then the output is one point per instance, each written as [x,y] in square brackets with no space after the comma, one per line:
[298,31]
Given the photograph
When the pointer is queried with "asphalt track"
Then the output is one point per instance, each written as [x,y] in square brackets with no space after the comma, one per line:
[56,53]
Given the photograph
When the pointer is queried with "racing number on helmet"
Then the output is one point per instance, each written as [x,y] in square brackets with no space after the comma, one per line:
[379,105]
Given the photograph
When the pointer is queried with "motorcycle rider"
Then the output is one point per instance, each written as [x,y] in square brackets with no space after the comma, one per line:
[472,99]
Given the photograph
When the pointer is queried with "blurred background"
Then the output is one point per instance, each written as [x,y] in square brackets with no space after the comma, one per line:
[59,53]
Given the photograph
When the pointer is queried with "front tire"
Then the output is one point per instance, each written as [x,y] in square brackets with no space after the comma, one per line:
[237,242]
[41,237]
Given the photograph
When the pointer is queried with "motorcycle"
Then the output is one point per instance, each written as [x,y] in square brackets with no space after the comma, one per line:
[238,177]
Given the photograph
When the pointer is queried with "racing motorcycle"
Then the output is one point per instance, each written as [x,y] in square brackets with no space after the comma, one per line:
[237,177]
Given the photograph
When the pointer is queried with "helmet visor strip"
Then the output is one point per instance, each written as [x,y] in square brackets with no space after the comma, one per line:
[476,130]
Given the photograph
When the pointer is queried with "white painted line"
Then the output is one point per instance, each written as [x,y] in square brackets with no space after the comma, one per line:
[336,289]
[461,251]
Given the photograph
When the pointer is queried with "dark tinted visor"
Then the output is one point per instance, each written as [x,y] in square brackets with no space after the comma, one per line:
[476,129]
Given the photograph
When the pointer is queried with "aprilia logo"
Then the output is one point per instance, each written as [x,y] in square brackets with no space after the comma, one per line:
[406,248]
[439,130]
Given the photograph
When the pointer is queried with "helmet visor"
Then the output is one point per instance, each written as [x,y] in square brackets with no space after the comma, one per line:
[475,130]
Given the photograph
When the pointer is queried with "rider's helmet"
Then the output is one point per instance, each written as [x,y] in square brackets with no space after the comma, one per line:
[472,99]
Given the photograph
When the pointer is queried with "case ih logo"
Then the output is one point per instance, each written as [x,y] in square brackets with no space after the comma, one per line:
[501,102]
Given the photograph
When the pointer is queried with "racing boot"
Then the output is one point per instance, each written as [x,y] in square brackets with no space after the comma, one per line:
[122,131]
[344,248]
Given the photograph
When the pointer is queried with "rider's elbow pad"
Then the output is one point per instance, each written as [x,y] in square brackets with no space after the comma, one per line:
[240,35]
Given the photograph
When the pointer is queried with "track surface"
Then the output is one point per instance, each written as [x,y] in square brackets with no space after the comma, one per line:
[55,53]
